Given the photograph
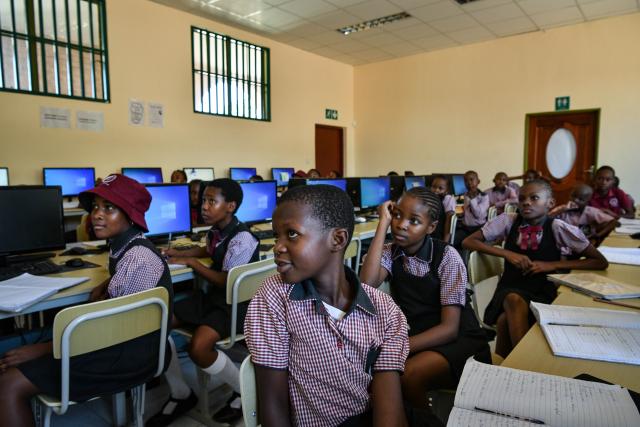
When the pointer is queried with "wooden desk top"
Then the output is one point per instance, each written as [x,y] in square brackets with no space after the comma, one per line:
[620,241]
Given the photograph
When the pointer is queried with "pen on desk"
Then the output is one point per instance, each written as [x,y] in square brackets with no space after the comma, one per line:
[621,304]
[530,420]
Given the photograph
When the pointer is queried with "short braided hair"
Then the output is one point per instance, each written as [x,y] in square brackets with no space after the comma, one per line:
[331,206]
[429,199]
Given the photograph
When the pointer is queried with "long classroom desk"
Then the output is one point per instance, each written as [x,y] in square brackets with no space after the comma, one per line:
[534,354]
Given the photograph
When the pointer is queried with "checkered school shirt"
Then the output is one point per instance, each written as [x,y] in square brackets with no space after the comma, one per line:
[452,272]
[288,328]
[239,251]
[138,270]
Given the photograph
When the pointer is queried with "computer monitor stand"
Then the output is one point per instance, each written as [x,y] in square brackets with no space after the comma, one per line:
[70,203]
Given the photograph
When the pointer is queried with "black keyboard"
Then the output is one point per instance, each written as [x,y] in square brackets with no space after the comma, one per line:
[263,234]
[38,268]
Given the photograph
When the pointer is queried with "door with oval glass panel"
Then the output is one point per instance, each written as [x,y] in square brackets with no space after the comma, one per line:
[563,147]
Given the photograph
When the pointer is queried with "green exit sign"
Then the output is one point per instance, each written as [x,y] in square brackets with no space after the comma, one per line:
[563,103]
[331,114]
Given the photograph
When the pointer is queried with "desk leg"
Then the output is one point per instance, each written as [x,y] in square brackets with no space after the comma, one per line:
[118,402]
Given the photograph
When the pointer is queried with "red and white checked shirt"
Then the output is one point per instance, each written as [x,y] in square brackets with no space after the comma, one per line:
[288,328]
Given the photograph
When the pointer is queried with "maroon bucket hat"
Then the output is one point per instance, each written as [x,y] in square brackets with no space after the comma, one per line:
[126,193]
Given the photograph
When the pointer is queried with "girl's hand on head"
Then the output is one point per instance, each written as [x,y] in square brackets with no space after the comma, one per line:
[22,354]
[540,267]
[521,261]
[384,210]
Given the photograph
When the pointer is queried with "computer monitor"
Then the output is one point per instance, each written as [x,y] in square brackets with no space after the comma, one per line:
[282,175]
[258,201]
[413,181]
[396,186]
[72,180]
[144,175]
[294,182]
[353,190]
[4,176]
[169,211]
[241,174]
[341,183]
[374,191]
[31,219]
[203,174]
[457,184]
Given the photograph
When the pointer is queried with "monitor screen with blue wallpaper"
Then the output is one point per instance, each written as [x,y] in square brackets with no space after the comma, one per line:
[258,201]
[459,187]
[72,180]
[341,183]
[241,174]
[413,181]
[374,191]
[282,175]
[203,174]
[169,211]
[144,175]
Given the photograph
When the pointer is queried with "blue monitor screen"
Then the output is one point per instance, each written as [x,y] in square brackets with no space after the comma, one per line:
[169,211]
[144,175]
[242,174]
[374,191]
[203,174]
[4,176]
[458,184]
[72,180]
[340,183]
[282,175]
[413,181]
[258,201]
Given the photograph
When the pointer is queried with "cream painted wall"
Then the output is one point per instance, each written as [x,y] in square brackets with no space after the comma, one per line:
[464,108]
[150,60]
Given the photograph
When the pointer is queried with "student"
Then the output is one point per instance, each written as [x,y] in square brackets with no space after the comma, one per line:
[608,198]
[256,178]
[327,349]
[535,245]
[333,174]
[594,223]
[392,173]
[229,244]
[476,208]
[117,209]
[501,194]
[428,281]
[440,186]
[300,174]
[409,173]
[178,176]
[314,173]
[194,200]
[528,175]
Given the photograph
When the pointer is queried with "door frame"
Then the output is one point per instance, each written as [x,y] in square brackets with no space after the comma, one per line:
[527,120]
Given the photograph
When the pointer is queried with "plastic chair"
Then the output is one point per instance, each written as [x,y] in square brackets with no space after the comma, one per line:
[511,208]
[85,328]
[81,230]
[492,213]
[353,251]
[452,228]
[484,273]
[249,394]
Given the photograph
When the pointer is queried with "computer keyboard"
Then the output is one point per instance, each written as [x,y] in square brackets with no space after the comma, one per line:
[38,268]
[265,247]
[263,234]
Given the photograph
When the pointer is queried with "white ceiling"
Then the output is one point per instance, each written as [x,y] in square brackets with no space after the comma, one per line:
[435,24]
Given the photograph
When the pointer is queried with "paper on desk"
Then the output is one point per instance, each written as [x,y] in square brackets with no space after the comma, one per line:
[629,256]
[631,222]
[95,243]
[25,290]
[628,229]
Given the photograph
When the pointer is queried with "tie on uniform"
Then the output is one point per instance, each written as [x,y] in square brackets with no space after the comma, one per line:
[529,236]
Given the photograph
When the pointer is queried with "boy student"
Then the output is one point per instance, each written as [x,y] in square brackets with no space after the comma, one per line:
[476,208]
[229,244]
[608,197]
[328,350]
[594,223]
[501,194]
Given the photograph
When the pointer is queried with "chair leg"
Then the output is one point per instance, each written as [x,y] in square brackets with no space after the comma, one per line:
[137,397]
[47,417]
[118,402]
[203,397]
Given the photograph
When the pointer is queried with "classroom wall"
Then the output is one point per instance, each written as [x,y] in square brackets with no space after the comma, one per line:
[150,60]
[464,108]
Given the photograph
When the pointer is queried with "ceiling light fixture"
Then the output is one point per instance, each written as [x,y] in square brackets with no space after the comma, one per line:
[372,23]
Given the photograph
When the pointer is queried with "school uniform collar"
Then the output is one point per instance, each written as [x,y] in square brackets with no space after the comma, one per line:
[222,234]
[425,253]
[122,239]
[305,290]
[497,190]
[480,193]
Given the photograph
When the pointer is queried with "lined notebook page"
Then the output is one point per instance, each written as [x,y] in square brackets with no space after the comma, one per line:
[556,401]
[594,343]
[465,418]
[621,255]
[568,315]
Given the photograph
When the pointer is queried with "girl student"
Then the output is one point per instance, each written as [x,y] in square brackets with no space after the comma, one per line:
[535,245]
[428,281]
[439,186]
[117,209]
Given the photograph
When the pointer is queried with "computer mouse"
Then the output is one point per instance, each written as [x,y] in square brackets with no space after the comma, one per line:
[360,219]
[77,250]
[74,262]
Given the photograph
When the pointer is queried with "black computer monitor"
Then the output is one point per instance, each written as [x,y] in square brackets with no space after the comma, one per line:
[374,191]
[4,176]
[258,201]
[341,183]
[144,175]
[282,175]
[413,181]
[169,211]
[353,190]
[294,182]
[396,186]
[241,174]
[203,174]
[31,218]
[72,180]
[458,186]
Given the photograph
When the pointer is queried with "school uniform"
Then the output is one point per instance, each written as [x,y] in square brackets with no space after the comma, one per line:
[500,198]
[135,265]
[449,203]
[424,283]
[550,241]
[587,220]
[232,246]
[330,363]
[474,217]
[514,186]
[615,200]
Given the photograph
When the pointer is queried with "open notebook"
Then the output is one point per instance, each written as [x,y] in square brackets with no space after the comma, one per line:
[629,256]
[503,397]
[25,290]
[590,333]
[597,285]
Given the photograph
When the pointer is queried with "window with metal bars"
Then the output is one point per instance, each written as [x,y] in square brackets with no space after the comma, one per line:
[230,77]
[54,48]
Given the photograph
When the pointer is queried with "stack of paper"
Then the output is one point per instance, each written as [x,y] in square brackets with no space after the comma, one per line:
[590,333]
[498,396]
[621,255]
[628,226]
[23,291]
[597,285]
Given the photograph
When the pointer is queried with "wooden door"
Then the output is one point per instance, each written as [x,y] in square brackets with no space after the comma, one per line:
[583,126]
[329,149]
